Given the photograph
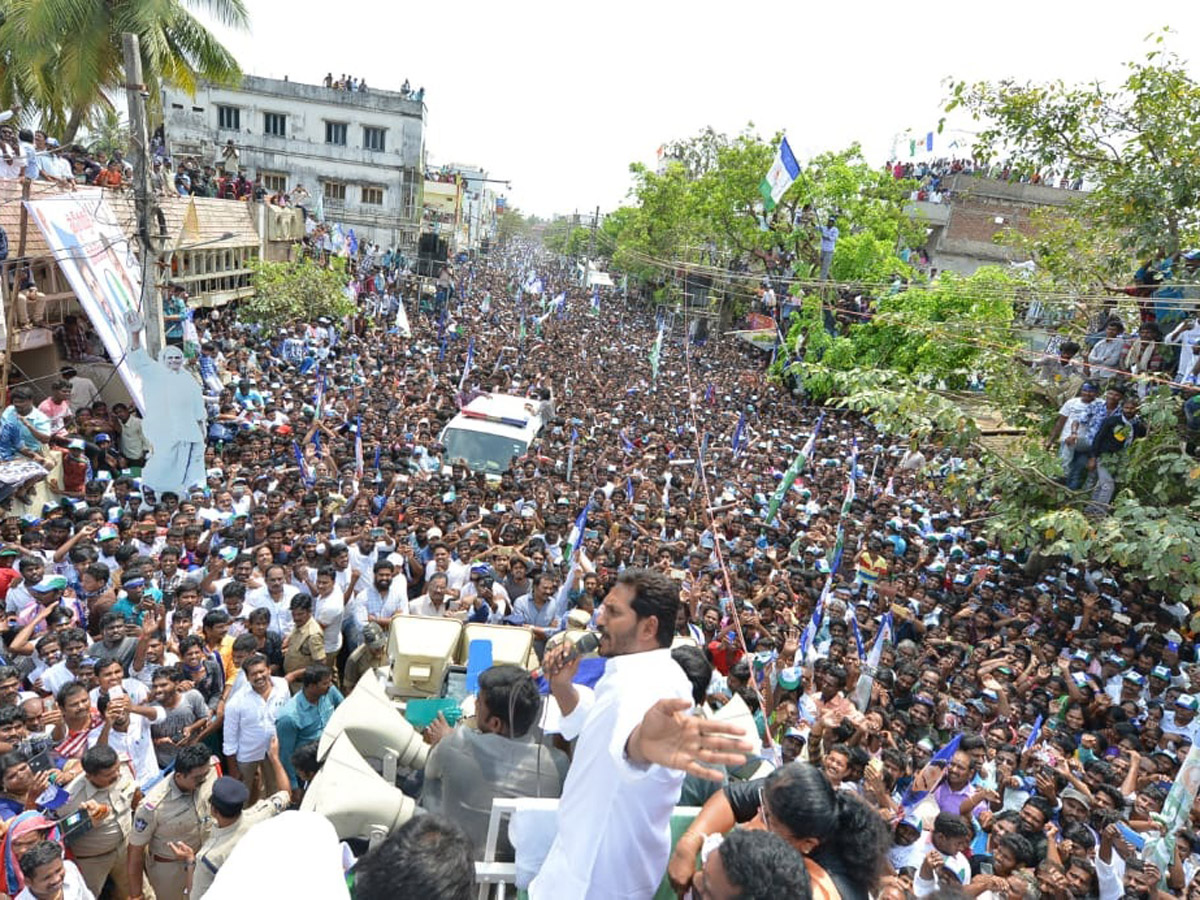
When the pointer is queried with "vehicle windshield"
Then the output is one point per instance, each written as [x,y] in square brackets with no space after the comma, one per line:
[483,452]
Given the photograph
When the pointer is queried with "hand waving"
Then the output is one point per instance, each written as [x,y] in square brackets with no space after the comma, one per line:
[670,737]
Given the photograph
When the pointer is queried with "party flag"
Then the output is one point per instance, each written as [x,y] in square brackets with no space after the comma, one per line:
[304,473]
[467,366]
[656,354]
[628,489]
[929,141]
[784,170]
[793,472]
[1176,810]
[575,538]
[1033,735]
[862,690]
[358,448]
[947,752]
[858,641]
[596,299]
[737,434]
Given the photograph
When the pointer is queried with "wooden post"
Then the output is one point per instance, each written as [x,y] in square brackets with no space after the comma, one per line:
[139,142]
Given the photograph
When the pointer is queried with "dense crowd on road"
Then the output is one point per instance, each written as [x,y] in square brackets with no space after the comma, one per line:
[935,713]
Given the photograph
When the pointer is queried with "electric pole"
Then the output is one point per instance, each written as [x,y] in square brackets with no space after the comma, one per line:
[139,139]
[592,239]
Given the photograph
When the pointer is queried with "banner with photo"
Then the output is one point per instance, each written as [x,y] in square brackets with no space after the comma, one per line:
[101,266]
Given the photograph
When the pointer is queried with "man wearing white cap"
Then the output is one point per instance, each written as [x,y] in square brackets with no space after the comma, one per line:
[1182,719]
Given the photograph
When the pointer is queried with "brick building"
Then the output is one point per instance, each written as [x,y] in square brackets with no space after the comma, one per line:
[973,211]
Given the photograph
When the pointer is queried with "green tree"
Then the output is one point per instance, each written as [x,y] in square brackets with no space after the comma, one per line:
[108,133]
[301,291]
[63,58]
[1134,144]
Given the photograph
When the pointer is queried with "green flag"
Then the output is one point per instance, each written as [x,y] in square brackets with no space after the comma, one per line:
[656,354]
[792,473]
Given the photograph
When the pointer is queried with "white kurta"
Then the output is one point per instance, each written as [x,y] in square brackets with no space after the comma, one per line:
[614,836]
[173,420]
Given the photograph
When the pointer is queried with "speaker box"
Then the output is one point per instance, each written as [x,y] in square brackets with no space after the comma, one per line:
[421,647]
[372,723]
[355,800]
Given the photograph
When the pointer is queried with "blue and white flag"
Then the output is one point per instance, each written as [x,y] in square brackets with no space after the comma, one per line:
[1033,735]
[595,298]
[467,366]
[575,538]
[737,434]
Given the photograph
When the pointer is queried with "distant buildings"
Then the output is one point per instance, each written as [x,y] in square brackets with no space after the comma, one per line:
[361,153]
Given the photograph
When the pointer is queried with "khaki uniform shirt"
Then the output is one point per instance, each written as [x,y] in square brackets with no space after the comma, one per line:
[114,829]
[168,814]
[306,646]
[220,844]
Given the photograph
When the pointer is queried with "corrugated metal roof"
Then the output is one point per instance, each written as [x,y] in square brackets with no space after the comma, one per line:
[213,219]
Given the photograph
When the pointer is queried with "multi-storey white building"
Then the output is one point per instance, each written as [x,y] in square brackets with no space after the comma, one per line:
[362,152]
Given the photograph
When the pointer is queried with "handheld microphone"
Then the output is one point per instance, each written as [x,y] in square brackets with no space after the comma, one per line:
[589,643]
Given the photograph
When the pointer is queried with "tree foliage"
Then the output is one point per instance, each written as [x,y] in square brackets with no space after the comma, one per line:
[1134,144]
[62,59]
[300,291]
[703,207]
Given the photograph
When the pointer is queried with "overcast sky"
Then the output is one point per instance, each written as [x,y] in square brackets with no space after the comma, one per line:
[560,97]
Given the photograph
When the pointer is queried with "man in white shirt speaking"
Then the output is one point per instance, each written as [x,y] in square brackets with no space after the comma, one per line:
[636,743]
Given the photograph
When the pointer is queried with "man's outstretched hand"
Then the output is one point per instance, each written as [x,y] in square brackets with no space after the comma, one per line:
[670,737]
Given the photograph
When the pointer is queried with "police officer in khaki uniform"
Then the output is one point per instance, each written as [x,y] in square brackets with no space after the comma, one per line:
[175,810]
[229,795]
[103,850]
[306,643]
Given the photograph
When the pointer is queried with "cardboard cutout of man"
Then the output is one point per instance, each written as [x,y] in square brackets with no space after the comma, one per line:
[175,417]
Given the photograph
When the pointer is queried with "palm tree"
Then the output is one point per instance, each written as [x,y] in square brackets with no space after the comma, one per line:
[62,59]
[107,133]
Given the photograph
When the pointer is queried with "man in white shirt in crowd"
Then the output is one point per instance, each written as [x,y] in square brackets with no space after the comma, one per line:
[275,597]
[1187,335]
[456,573]
[250,724]
[635,745]
[328,608]
[381,597]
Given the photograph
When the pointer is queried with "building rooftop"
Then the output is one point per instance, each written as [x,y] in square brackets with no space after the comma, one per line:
[380,100]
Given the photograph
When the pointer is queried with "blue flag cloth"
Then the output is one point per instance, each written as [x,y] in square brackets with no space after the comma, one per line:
[1033,735]
[737,434]
[628,488]
[300,462]
[929,141]
[590,671]
[947,752]
[858,641]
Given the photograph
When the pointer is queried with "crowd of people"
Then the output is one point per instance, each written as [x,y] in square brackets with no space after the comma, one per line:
[934,712]
[932,176]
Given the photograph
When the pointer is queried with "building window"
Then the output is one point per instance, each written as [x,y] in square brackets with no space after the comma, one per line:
[373,138]
[372,196]
[335,133]
[275,123]
[229,118]
[274,182]
[335,191]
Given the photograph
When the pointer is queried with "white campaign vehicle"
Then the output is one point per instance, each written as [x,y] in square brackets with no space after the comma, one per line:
[491,430]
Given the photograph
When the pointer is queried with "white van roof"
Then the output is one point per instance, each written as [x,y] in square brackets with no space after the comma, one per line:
[495,413]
